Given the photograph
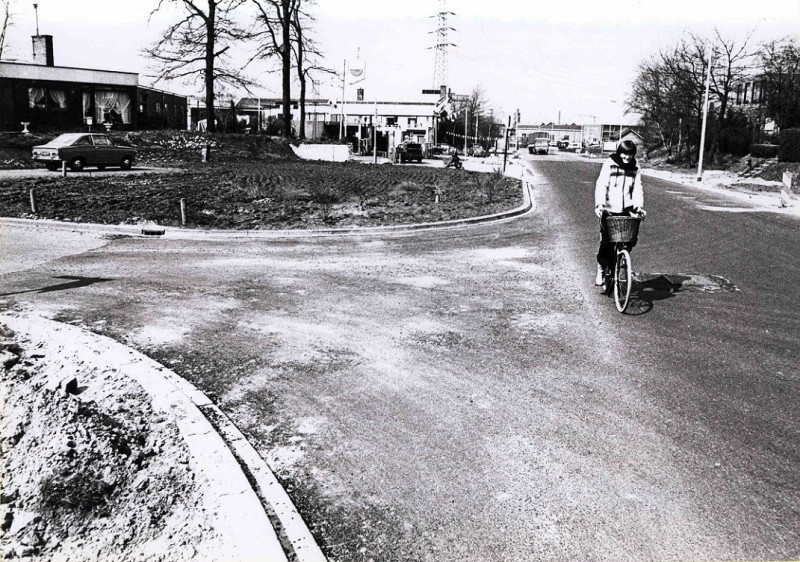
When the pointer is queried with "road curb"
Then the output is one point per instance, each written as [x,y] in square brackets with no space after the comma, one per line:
[253,509]
[528,205]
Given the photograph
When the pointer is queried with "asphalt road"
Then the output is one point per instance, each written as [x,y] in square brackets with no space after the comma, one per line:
[468,393]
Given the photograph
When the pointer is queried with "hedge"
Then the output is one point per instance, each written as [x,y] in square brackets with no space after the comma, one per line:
[789,148]
[735,140]
[764,150]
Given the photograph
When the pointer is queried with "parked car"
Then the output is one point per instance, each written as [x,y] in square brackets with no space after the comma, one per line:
[79,150]
[410,151]
[574,147]
[477,151]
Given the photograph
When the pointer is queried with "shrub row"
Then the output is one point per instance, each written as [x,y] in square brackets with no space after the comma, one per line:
[789,148]
[764,150]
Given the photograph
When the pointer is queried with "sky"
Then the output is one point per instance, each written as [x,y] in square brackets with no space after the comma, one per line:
[556,60]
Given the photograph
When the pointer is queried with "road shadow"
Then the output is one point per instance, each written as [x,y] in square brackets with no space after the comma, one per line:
[649,288]
[75,282]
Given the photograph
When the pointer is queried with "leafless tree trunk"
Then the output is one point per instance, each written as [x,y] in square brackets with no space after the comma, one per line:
[275,20]
[305,51]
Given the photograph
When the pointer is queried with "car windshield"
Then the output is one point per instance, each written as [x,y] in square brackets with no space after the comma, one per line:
[64,140]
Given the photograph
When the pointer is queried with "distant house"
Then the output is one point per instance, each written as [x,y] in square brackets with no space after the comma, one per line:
[46,96]
[748,97]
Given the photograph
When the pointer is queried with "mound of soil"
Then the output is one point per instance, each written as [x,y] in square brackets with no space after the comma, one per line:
[89,470]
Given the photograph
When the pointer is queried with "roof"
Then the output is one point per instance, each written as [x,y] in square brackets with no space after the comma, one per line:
[29,71]
[253,103]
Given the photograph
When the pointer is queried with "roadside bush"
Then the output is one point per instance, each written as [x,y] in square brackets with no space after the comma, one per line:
[735,140]
[789,148]
[764,150]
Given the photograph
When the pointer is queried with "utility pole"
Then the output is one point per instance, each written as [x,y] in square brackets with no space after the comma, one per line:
[705,118]
[466,132]
[477,116]
[375,135]
[342,129]
[505,150]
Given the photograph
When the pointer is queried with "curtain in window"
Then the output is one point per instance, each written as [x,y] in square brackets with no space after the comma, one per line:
[87,104]
[36,99]
[58,99]
[112,107]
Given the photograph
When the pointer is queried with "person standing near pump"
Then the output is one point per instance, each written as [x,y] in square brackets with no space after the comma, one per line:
[618,192]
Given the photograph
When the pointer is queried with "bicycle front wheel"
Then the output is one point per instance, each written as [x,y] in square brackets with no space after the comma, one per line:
[623,279]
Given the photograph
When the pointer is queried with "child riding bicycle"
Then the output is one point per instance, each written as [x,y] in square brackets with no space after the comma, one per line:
[618,192]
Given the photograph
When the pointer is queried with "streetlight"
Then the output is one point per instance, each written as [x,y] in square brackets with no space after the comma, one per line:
[705,117]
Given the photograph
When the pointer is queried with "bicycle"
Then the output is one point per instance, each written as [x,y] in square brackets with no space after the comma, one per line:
[619,279]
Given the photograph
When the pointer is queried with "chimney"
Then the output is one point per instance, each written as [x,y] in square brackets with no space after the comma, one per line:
[43,50]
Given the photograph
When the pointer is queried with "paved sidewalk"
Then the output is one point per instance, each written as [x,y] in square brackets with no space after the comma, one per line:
[731,185]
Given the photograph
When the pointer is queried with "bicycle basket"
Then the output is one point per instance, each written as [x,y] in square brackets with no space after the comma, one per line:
[622,229]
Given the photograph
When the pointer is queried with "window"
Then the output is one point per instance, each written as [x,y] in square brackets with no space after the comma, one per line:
[102,141]
[112,107]
[47,99]
[391,120]
[412,122]
[158,107]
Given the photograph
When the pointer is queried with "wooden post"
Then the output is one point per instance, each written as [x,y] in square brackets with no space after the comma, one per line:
[63,168]
[183,212]
[33,201]
[786,190]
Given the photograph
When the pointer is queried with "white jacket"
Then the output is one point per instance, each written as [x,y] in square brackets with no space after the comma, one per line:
[617,189]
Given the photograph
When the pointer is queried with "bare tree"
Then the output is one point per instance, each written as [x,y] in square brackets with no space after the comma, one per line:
[728,67]
[668,90]
[780,62]
[275,19]
[305,54]
[197,47]
[5,16]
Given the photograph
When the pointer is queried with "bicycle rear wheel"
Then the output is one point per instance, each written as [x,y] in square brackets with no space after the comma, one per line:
[623,279]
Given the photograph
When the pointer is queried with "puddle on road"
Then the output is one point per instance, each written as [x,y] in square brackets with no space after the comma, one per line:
[679,282]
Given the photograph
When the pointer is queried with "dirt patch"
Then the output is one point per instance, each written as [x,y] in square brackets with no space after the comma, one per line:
[89,470]
[255,183]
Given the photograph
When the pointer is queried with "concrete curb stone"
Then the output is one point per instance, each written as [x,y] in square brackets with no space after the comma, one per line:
[525,174]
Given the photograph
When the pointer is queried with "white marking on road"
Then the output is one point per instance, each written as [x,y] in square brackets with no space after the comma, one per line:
[733,209]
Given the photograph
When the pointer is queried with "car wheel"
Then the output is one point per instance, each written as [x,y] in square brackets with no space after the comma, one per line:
[101,167]
[77,164]
[126,163]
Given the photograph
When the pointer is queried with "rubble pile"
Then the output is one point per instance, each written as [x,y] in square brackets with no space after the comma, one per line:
[89,470]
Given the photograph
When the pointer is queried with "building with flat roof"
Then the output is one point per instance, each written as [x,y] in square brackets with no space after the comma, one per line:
[46,96]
